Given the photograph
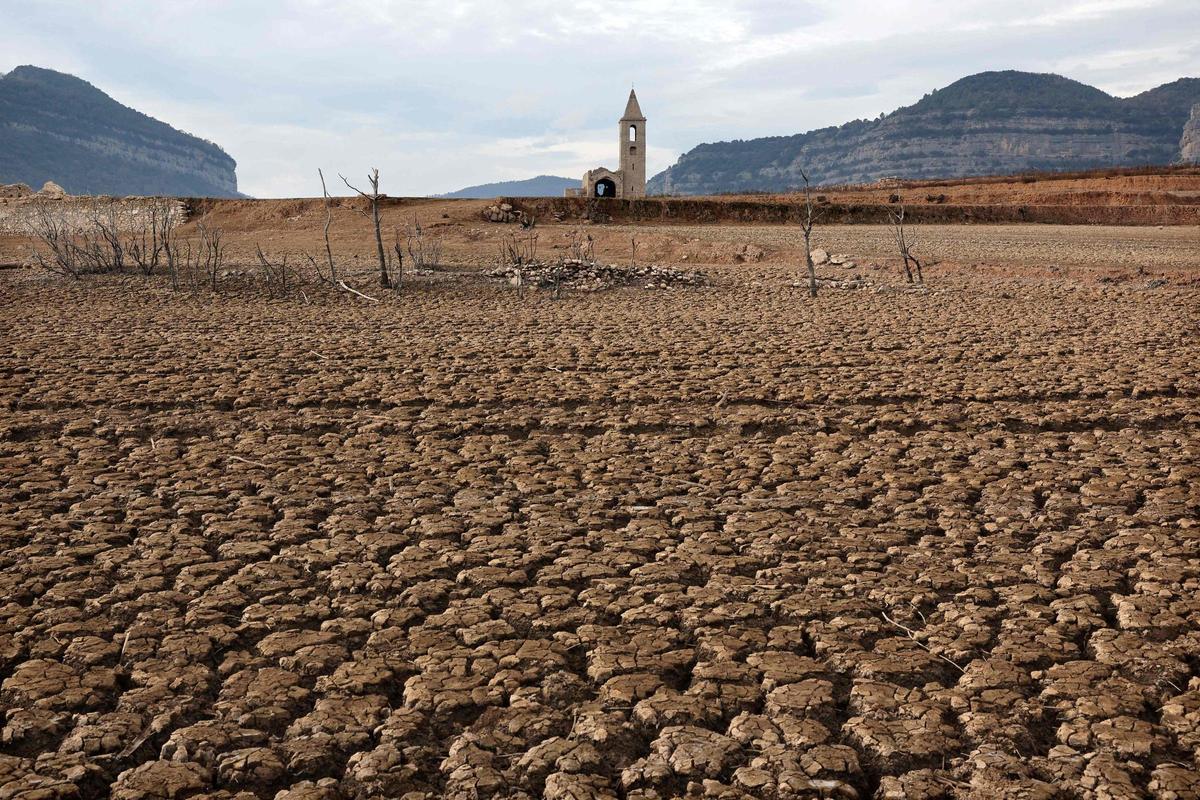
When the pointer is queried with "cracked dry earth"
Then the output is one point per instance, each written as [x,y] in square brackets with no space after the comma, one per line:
[722,542]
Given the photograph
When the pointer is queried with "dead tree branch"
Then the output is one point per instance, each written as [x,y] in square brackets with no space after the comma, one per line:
[352,290]
[806,226]
[373,201]
[328,221]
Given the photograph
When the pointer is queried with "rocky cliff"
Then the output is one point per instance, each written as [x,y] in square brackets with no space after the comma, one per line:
[991,123]
[57,127]
[1189,144]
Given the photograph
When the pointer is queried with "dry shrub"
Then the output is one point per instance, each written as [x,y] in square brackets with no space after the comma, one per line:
[424,248]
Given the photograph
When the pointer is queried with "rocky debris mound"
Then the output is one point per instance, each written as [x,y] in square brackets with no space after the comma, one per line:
[588,276]
[504,213]
[52,190]
[822,258]
[12,190]
[748,253]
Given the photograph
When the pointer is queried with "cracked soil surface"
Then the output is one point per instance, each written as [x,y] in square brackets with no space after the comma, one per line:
[713,542]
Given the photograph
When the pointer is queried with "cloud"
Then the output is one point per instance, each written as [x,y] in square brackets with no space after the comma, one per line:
[445,93]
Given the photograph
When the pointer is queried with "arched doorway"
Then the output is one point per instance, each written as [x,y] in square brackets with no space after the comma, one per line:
[605,187]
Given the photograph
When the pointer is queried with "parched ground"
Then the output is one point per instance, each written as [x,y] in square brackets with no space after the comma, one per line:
[722,542]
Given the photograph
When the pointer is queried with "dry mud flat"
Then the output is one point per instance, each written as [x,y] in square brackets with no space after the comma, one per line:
[711,542]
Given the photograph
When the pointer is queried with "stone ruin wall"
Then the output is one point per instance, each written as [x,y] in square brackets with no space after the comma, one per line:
[17,213]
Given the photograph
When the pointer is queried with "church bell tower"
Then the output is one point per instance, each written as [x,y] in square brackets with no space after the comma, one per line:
[633,149]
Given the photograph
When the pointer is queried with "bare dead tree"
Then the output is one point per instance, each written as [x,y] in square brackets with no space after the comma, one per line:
[811,215]
[896,215]
[373,213]
[913,265]
[211,255]
[328,221]
[633,246]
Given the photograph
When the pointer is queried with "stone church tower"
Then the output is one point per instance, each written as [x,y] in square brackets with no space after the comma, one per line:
[633,148]
[629,179]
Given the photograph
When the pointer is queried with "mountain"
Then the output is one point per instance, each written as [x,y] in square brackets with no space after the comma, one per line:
[1189,144]
[541,186]
[985,124]
[56,127]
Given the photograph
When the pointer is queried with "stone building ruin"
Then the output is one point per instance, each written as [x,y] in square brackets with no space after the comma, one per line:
[630,179]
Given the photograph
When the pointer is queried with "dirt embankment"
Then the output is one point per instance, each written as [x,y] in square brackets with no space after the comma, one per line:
[1158,196]
[720,210]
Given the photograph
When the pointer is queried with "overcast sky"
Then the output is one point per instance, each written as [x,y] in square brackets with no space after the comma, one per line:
[441,94]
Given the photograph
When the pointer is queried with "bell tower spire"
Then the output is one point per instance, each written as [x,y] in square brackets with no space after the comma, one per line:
[633,148]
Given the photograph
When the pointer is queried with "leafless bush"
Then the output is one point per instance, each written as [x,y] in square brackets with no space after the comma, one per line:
[211,253]
[149,242]
[50,225]
[77,248]
[518,250]
[424,248]
[558,275]
[103,236]
[582,248]
[397,266]
[101,245]
[277,277]
[196,266]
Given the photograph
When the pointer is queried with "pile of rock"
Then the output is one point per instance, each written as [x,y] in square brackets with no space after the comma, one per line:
[52,190]
[822,257]
[503,212]
[588,276]
[747,253]
[13,190]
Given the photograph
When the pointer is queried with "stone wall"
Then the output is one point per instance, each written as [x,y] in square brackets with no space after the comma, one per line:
[18,214]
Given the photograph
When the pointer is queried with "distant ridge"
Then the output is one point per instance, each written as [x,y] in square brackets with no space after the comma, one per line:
[56,127]
[992,123]
[541,186]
